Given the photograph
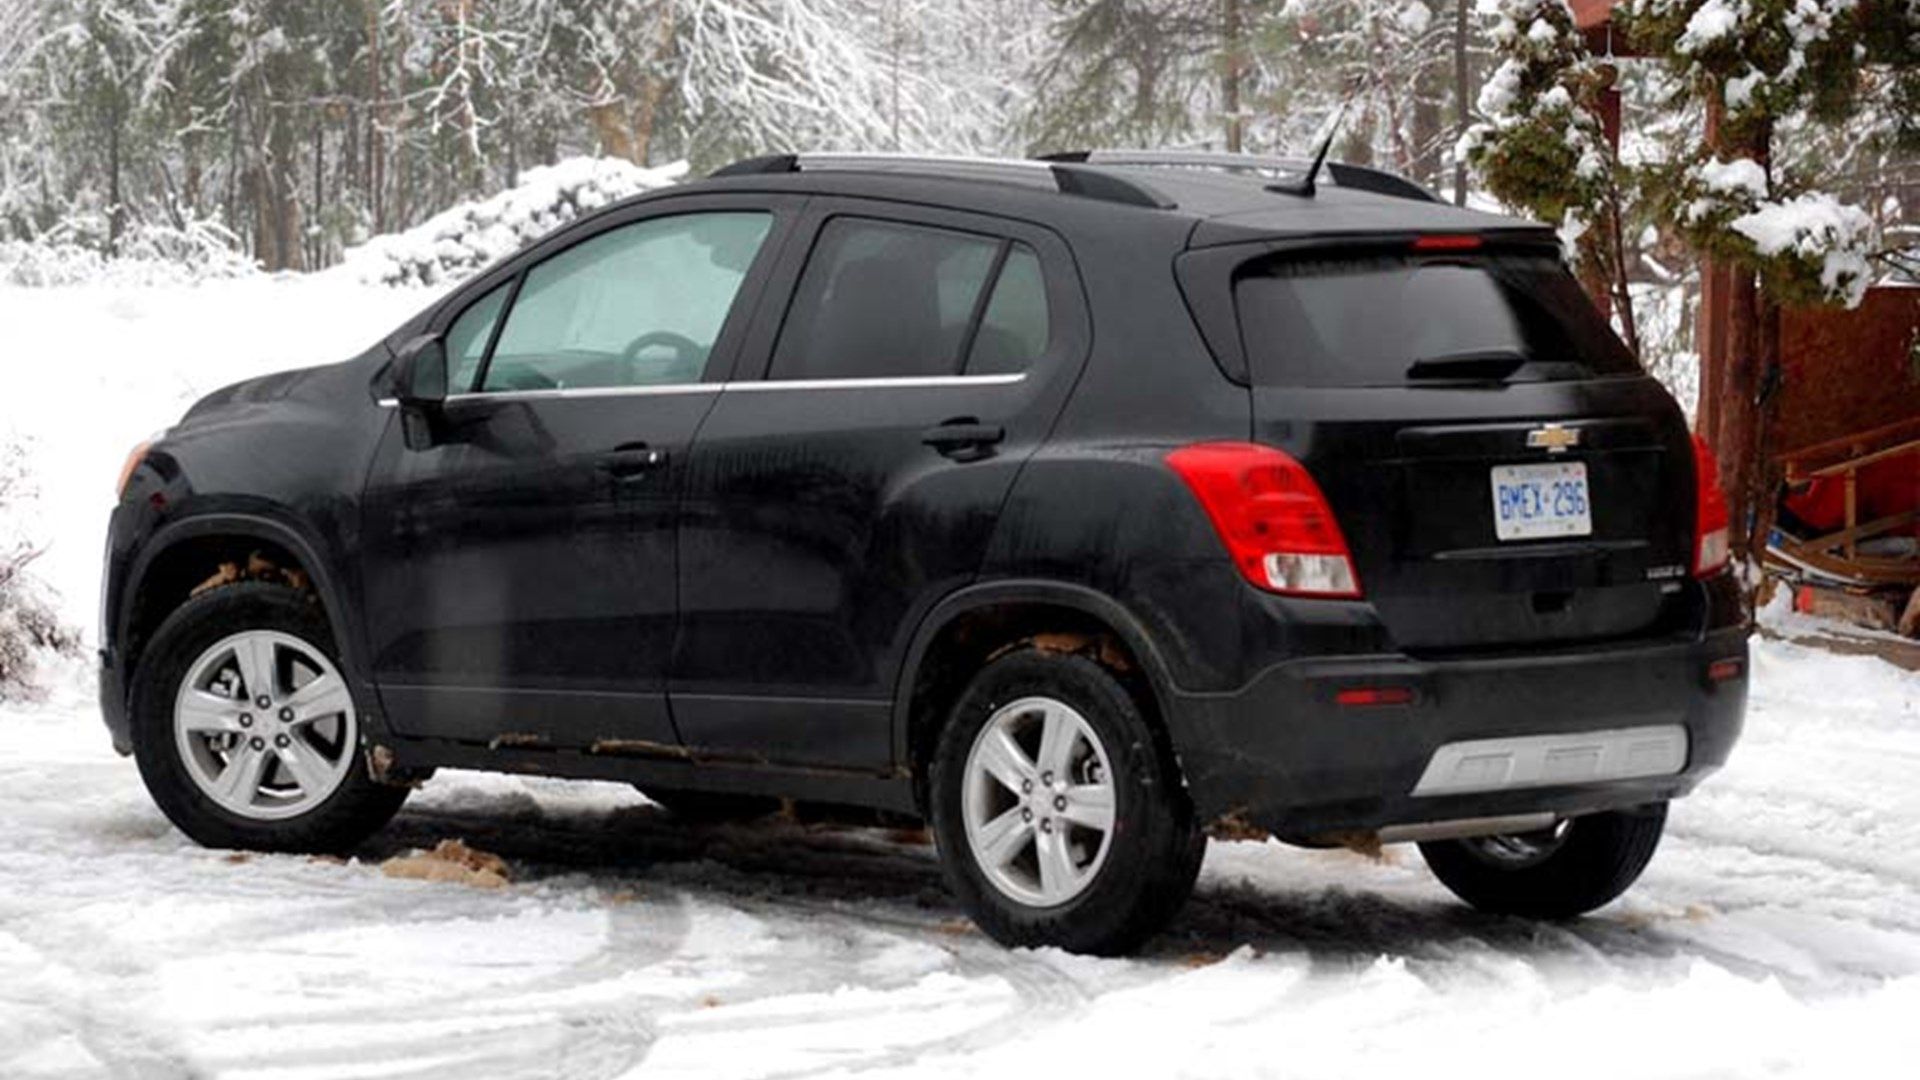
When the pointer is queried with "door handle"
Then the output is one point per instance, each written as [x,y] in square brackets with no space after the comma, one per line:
[965,439]
[631,461]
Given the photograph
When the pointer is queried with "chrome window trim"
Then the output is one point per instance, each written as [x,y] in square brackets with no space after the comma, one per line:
[904,382]
[585,392]
[898,382]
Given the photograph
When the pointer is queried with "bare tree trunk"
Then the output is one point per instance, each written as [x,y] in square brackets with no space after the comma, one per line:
[1462,87]
[1232,72]
[315,249]
[115,221]
[376,111]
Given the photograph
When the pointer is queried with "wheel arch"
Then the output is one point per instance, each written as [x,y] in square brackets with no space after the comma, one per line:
[1012,611]
[177,548]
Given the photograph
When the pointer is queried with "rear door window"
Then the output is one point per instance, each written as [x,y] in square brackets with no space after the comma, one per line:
[883,299]
[1015,328]
[1368,321]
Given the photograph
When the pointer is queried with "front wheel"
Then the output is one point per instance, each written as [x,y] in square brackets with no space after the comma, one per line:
[1557,873]
[1059,817]
[247,734]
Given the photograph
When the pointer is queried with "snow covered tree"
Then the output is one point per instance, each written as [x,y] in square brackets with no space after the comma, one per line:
[1390,56]
[29,626]
[1756,66]
[1147,73]
[1542,146]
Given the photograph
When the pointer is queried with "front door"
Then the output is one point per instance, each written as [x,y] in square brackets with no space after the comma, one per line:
[519,580]
[921,359]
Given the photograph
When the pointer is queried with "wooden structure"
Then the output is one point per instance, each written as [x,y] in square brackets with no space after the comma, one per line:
[1837,554]
[1849,432]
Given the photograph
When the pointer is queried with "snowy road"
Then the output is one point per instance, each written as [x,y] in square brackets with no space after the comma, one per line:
[1777,933]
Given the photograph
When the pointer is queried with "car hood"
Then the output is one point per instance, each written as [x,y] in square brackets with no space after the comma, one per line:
[315,383]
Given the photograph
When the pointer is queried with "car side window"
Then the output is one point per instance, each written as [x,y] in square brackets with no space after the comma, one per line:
[1015,328]
[883,299]
[639,305]
[468,336]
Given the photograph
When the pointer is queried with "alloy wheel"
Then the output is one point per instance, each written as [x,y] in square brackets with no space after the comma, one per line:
[265,725]
[1038,801]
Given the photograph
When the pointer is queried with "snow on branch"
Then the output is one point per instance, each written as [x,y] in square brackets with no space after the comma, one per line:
[1810,248]
[1814,238]
[458,242]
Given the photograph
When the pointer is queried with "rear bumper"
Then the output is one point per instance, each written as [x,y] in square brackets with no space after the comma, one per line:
[1284,754]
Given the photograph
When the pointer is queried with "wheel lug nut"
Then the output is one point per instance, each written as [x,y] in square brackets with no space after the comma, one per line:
[1026,787]
[263,701]
[1026,815]
[259,743]
[286,716]
[1046,825]
[1046,778]
[281,741]
[246,720]
[1059,802]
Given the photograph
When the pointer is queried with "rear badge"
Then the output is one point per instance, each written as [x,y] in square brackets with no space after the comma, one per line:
[1553,438]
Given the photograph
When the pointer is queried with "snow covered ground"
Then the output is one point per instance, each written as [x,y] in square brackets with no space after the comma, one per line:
[1777,933]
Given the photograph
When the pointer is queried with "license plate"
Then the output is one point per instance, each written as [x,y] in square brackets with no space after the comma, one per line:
[1534,501]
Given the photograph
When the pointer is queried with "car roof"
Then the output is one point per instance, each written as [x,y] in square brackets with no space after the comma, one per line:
[1224,201]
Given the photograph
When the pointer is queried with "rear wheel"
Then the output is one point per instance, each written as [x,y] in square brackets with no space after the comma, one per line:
[1059,817]
[247,734]
[1576,866]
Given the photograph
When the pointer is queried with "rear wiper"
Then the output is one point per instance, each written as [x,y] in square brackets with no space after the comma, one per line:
[1471,364]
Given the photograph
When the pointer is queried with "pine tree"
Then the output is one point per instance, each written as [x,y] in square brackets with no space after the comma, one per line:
[1756,66]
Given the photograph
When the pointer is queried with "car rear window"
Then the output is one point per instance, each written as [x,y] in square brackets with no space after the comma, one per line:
[1366,321]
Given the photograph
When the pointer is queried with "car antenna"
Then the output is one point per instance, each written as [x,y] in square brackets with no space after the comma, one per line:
[1304,186]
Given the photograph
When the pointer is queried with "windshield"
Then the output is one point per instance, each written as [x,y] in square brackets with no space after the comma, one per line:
[1389,320]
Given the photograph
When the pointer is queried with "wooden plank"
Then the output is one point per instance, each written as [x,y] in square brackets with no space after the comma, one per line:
[1865,459]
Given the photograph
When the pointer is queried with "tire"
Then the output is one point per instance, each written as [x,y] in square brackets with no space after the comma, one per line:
[712,807]
[187,738]
[1554,874]
[1109,891]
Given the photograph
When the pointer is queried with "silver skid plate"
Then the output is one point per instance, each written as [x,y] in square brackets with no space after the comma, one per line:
[1526,761]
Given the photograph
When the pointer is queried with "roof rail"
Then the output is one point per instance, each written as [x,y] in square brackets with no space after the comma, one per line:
[1065,177]
[1359,177]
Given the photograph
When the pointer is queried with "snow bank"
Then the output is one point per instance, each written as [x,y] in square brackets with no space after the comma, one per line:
[456,243]
[149,255]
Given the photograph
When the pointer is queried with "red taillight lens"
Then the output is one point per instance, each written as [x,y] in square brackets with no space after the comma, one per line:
[1272,517]
[1446,242]
[1711,533]
[1360,696]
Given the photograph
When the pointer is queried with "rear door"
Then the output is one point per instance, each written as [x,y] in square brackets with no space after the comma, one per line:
[907,362]
[520,574]
[1504,472]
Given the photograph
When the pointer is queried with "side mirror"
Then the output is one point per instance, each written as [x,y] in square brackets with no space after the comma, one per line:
[420,384]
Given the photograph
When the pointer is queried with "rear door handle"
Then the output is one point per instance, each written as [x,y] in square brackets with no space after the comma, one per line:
[964,439]
[633,460]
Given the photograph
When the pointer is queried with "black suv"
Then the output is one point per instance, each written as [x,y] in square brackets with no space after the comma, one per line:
[1079,507]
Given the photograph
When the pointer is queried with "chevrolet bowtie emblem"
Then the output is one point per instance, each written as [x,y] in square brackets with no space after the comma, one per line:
[1553,438]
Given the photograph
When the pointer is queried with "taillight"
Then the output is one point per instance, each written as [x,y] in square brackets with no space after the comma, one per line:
[1272,517]
[1711,534]
[1447,242]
